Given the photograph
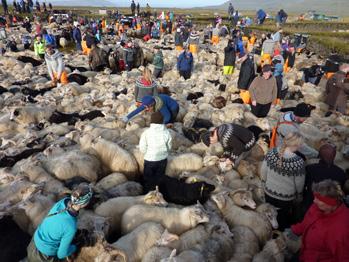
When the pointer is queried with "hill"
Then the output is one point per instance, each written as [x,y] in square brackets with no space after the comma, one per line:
[334,7]
[92,3]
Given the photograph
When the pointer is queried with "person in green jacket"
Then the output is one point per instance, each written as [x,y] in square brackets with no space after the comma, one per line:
[39,46]
[158,63]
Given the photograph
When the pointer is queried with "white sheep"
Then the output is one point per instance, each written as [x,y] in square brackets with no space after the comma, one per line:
[245,244]
[175,220]
[114,208]
[129,188]
[184,162]
[185,256]
[110,181]
[141,239]
[155,254]
[273,251]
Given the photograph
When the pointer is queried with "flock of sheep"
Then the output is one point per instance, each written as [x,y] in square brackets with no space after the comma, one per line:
[42,159]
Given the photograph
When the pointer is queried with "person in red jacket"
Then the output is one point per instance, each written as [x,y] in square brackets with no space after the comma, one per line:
[325,228]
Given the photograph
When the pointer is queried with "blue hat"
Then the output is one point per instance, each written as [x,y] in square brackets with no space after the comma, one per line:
[148,101]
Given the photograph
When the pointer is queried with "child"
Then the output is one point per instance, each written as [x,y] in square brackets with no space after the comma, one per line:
[155,144]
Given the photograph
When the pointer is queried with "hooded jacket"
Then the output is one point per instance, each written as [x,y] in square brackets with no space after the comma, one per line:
[246,75]
[185,62]
[193,39]
[54,63]
[229,55]
[155,142]
[324,236]
[54,235]
[158,61]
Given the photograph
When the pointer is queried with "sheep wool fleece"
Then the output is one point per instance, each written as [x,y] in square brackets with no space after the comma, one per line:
[54,235]
[285,181]
[235,140]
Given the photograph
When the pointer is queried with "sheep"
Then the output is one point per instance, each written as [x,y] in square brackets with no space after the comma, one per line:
[273,251]
[175,220]
[74,163]
[31,114]
[114,208]
[245,244]
[185,256]
[183,162]
[116,158]
[155,254]
[136,243]
[129,188]
[237,216]
[111,181]
[93,222]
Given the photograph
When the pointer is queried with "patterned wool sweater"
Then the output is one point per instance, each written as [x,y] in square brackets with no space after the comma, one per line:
[235,140]
[281,182]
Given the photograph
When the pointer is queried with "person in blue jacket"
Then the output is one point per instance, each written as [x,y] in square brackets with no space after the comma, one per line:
[185,63]
[53,238]
[77,36]
[164,104]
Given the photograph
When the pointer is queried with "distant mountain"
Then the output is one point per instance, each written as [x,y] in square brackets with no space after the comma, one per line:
[334,7]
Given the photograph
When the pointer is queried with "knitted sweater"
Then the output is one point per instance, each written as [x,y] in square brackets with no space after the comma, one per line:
[263,91]
[144,88]
[155,142]
[54,235]
[281,182]
[235,140]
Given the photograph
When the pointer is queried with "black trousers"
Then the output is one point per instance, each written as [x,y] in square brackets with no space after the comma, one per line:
[186,74]
[260,110]
[153,170]
[285,216]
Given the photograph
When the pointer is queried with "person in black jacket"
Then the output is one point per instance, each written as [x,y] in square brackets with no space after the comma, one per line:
[246,76]
[324,169]
[229,58]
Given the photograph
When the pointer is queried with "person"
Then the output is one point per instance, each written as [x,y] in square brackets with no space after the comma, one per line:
[229,58]
[260,16]
[246,76]
[148,8]
[49,38]
[158,63]
[263,91]
[282,86]
[289,123]
[215,35]
[77,36]
[145,86]
[179,39]
[129,56]
[138,55]
[4,6]
[236,141]
[26,41]
[236,18]
[50,6]
[44,7]
[277,36]
[337,91]
[133,7]
[230,10]
[324,169]
[325,227]
[55,66]
[97,59]
[39,47]
[281,18]
[185,63]
[37,6]
[155,144]
[193,42]
[138,9]
[164,104]
[53,238]
[283,176]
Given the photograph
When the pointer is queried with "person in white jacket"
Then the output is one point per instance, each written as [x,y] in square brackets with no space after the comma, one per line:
[155,144]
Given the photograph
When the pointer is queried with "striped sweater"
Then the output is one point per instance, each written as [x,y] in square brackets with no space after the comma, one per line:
[285,181]
[144,88]
[235,140]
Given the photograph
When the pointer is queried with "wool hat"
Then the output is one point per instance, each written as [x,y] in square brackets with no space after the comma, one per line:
[327,153]
[205,138]
[148,101]
[302,110]
[156,118]
[82,199]
[266,68]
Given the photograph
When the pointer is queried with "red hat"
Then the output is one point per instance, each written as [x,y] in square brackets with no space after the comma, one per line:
[326,199]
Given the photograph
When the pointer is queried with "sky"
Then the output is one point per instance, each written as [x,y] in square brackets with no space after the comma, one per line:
[175,3]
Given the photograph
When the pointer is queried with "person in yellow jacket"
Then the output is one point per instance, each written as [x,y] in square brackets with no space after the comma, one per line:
[39,47]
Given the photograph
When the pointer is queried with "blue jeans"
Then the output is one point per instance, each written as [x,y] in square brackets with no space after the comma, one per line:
[78,46]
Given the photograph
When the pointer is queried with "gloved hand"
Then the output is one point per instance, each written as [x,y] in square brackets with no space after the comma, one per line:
[124,119]
[290,235]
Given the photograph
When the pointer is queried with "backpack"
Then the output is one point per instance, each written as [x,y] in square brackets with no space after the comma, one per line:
[50,40]
[274,133]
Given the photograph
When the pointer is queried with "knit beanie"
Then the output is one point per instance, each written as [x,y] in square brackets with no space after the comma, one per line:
[302,110]
[205,138]
[148,101]
[327,153]
[156,118]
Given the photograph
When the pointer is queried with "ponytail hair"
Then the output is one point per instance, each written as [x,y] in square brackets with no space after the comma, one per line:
[291,139]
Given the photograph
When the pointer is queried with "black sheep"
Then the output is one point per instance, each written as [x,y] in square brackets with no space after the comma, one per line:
[92,115]
[3,90]
[10,161]
[181,193]
[71,119]
[13,241]
[28,59]
[77,78]
[35,92]
[79,68]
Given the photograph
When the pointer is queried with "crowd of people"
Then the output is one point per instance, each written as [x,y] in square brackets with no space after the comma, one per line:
[309,198]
